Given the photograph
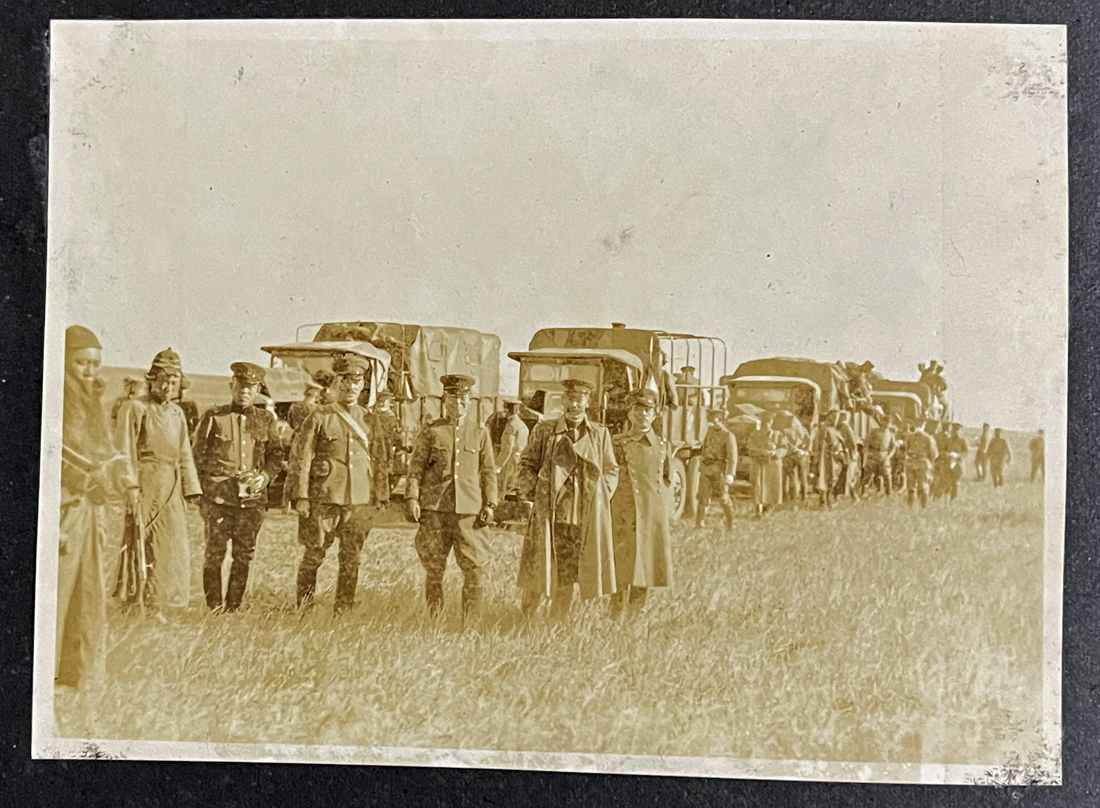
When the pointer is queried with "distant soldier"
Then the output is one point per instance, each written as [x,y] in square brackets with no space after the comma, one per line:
[897,465]
[1037,447]
[829,461]
[796,463]
[133,386]
[640,505]
[717,467]
[452,492]
[300,410]
[687,385]
[569,472]
[189,407]
[981,461]
[956,450]
[237,456]
[387,427]
[999,456]
[920,454]
[765,448]
[664,385]
[853,466]
[330,479]
[513,440]
[152,429]
[941,467]
[879,449]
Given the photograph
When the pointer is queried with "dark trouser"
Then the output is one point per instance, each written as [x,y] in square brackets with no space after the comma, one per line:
[1038,466]
[225,524]
[918,475]
[712,485]
[980,464]
[879,472]
[635,596]
[565,541]
[438,534]
[997,472]
[350,524]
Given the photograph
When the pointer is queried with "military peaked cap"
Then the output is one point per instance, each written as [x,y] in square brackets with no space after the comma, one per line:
[643,397]
[350,364]
[716,411]
[457,383]
[571,385]
[247,372]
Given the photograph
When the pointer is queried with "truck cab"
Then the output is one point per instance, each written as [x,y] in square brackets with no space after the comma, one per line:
[617,360]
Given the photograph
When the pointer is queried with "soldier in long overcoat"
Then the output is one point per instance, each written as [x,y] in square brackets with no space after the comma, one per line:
[828,459]
[568,472]
[766,449]
[640,506]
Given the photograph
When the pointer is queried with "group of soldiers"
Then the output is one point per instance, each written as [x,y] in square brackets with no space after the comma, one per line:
[596,505]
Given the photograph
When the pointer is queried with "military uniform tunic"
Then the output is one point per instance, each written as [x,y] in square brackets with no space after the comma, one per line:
[719,459]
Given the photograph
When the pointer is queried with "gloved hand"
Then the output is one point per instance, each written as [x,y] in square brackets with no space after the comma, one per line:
[485,517]
[412,510]
[302,507]
[729,479]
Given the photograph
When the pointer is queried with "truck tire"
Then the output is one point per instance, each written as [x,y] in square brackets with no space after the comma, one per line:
[678,489]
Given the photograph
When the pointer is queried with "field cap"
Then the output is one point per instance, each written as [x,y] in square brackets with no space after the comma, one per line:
[168,361]
[247,372]
[716,411]
[350,364]
[643,397]
[571,385]
[457,383]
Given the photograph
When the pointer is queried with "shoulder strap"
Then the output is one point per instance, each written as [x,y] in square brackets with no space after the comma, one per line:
[356,430]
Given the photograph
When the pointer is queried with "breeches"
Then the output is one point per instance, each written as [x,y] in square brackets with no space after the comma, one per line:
[225,524]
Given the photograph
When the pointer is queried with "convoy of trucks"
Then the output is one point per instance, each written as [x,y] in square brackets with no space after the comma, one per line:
[408,359]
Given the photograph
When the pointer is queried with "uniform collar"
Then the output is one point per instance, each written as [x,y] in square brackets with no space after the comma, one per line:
[649,437]
[561,426]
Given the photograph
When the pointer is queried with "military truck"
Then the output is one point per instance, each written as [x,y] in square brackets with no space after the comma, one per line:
[909,401]
[617,360]
[406,359]
[807,388]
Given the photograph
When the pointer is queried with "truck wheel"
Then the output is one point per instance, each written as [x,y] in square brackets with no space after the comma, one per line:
[678,487]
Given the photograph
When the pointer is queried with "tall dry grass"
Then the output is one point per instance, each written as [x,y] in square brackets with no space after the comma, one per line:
[868,633]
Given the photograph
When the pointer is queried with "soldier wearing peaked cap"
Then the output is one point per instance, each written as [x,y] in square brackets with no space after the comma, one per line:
[300,410]
[568,472]
[330,479]
[152,429]
[451,490]
[640,506]
[391,437]
[237,456]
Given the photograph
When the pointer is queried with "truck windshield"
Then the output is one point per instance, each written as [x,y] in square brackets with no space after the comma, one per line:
[548,377]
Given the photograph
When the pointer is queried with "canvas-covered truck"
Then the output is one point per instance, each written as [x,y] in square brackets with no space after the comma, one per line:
[406,360]
[911,401]
[617,360]
[806,388]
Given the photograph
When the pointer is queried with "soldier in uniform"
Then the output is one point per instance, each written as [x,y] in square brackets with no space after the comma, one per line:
[189,407]
[920,453]
[956,450]
[569,473]
[766,449]
[330,478]
[237,457]
[1037,447]
[716,468]
[451,490]
[513,440]
[133,385]
[829,460]
[796,464]
[980,460]
[879,449]
[300,410]
[640,505]
[853,467]
[1000,455]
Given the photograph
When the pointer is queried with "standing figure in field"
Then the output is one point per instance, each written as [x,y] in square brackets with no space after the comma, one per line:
[766,449]
[829,461]
[920,454]
[92,473]
[879,449]
[956,450]
[981,461]
[1037,448]
[152,430]
[451,490]
[189,407]
[687,385]
[853,465]
[640,506]
[237,456]
[133,386]
[387,428]
[568,472]
[717,467]
[1000,455]
[796,464]
[664,385]
[330,478]
[513,440]
[300,410]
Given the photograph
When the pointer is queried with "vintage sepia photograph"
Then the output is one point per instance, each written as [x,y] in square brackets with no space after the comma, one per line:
[657,397]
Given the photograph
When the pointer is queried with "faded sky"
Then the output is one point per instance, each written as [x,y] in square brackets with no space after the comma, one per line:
[835,191]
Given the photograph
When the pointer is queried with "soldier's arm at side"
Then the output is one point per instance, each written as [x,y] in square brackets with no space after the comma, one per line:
[273,453]
[189,478]
[530,462]
[201,448]
[301,458]
[731,454]
[418,461]
[487,471]
[507,444]
[609,463]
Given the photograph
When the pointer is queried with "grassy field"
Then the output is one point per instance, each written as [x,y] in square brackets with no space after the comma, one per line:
[868,633]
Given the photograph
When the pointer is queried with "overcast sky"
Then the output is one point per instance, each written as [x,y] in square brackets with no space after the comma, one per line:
[833,191]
